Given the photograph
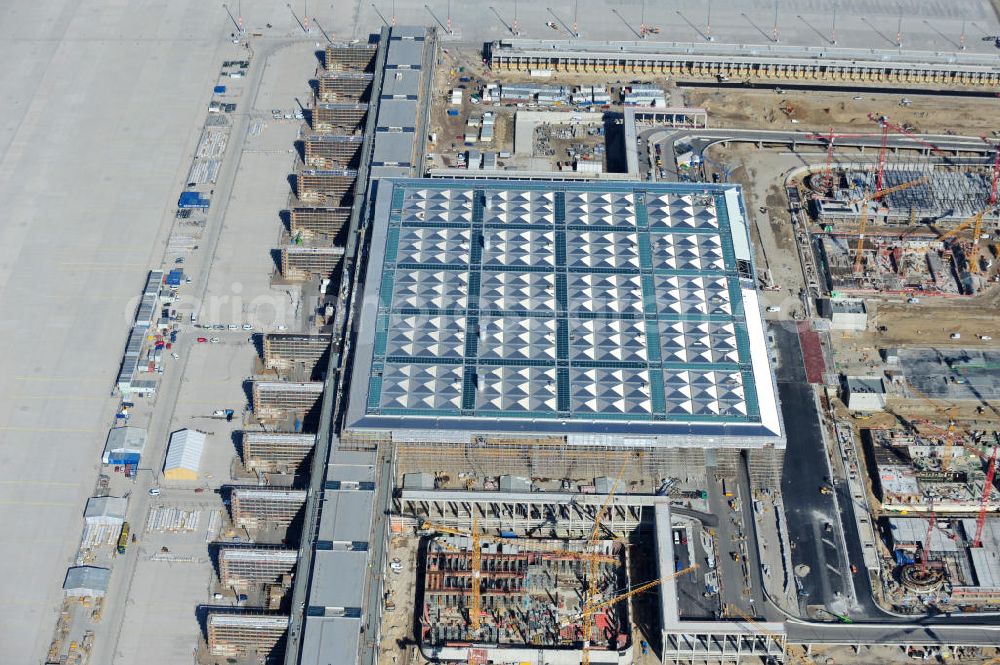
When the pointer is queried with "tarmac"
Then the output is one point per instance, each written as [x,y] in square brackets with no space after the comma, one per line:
[98,122]
[821,567]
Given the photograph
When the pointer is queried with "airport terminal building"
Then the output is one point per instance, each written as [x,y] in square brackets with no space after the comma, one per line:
[542,319]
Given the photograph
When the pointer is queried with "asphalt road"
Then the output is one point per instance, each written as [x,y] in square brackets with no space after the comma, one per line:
[806,470]
[857,89]
[200,265]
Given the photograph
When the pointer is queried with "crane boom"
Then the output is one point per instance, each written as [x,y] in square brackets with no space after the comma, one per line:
[475,609]
[593,568]
[594,609]
[949,434]
[984,502]
[863,222]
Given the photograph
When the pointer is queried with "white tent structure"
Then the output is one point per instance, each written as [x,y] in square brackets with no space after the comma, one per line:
[184,455]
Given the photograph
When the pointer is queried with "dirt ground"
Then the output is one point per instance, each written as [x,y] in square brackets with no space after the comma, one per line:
[751,109]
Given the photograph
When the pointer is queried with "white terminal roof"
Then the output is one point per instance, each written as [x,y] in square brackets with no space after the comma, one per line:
[587,309]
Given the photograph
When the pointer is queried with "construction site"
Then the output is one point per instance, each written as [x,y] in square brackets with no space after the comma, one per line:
[914,221]
[530,594]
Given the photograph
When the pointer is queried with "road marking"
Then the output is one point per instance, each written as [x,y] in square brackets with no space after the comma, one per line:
[69,398]
[42,504]
[109,265]
[59,378]
[53,483]
[14,428]
[84,298]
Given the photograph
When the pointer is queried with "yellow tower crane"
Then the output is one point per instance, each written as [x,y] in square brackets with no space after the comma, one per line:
[476,561]
[593,569]
[951,432]
[977,231]
[646,586]
[863,222]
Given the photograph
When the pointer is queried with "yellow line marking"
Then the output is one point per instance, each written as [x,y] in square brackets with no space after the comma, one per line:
[54,483]
[100,264]
[39,504]
[11,428]
[67,296]
[67,398]
[59,378]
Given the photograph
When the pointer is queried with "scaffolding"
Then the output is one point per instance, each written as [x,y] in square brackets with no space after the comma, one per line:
[338,118]
[273,451]
[287,351]
[320,221]
[253,508]
[278,400]
[334,187]
[332,151]
[554,457]
[343,87]
[300,263]
[350,57]
[235,635]
[241,567]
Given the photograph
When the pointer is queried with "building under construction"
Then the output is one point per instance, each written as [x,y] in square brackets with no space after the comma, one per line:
[939,560]
[241,567]
[923,473]
[350,57]
[944,196]
[258,636]
[254,508]
[281,400]
[332,151]
[300,262]
[334,187]
[276,451]
[338,87]
[745,61]
[531,595]
[921,232]
[318,220]
[343,118]
[287,352]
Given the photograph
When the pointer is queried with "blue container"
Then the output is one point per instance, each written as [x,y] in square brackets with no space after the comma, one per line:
[124,458]
[219,90]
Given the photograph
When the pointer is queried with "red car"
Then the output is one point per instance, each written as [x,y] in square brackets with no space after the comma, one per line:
[202,340]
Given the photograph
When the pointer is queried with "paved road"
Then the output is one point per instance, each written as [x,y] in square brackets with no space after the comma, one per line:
[199,265]
[857,89]
[806,469]
[889,633]
[945,143]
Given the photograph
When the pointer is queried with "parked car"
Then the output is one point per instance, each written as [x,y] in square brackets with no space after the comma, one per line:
[202,340]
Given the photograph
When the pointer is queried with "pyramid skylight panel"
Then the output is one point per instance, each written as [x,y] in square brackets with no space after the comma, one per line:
[578,309]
